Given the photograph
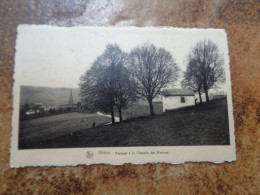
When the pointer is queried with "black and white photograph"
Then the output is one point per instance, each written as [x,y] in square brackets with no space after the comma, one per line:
[117,95]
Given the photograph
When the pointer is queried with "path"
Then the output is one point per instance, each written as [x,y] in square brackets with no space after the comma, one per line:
[109,116]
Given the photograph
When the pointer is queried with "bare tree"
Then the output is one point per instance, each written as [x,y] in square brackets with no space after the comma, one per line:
[153,69]
[192,78]
[210,64]
[107,84]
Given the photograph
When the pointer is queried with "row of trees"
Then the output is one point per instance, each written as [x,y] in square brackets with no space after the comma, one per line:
[204,69]
[117,79]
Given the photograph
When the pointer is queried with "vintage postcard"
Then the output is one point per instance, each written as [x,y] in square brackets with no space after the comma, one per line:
[90,95]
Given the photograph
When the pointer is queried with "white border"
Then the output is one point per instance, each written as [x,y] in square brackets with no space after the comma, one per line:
[76,156]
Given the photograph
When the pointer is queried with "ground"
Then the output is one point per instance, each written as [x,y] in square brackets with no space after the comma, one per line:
[35,130]
[201,125]
[141,110]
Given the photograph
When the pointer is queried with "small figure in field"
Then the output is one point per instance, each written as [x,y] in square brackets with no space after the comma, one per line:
[196,101]
[93,124]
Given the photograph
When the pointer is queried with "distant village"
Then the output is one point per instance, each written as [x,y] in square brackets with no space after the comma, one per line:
[34,110]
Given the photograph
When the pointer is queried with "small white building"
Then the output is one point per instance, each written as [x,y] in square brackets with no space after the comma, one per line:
[30,112]
[177,98]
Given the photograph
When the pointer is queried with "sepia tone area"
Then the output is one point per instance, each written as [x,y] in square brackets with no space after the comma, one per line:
[240,19]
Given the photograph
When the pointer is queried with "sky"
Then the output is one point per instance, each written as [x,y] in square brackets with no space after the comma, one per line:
[51,56]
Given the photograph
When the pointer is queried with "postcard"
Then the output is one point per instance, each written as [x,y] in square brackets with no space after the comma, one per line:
[115,95]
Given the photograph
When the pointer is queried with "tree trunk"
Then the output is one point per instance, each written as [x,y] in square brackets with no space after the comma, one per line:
[151,106]
[112,116]
[207,96]
[120,114]
[200,97]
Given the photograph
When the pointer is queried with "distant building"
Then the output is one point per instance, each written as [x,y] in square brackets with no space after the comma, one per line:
[71,98]
[219,94]
[70,107]
[212,95]
[30,112]
[177,98]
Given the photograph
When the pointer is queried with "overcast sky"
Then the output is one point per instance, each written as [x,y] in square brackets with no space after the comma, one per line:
[58,56]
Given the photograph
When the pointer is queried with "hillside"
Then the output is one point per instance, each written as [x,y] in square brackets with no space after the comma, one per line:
[47,95]
[202,125]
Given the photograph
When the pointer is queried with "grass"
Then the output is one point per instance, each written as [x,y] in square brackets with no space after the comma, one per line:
[141,110]
[202,125]
[35,130]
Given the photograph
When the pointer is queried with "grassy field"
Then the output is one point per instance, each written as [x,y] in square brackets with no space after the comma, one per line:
[202,125]
[141,110]
[34,131]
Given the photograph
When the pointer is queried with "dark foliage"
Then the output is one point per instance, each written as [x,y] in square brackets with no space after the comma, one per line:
[108,83]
